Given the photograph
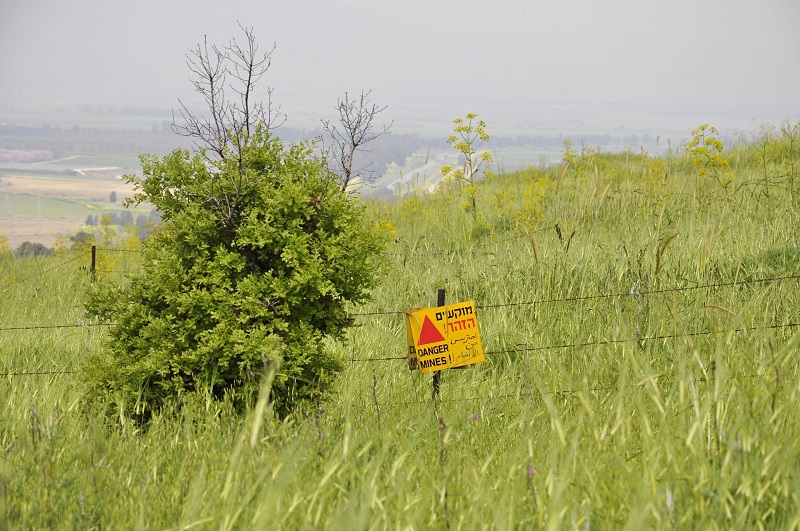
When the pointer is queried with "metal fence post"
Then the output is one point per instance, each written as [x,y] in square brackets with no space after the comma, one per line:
[437,376]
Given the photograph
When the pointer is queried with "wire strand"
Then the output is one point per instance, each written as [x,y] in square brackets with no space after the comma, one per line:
[43,272]
[605,295]
[37,373]
[52,327]
[602,342]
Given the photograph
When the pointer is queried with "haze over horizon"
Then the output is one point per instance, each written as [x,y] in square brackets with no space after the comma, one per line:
[522,66]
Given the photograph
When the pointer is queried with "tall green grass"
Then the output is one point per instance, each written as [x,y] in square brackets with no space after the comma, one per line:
[618,400]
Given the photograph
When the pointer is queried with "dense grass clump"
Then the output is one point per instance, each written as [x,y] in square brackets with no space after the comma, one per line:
[641,327]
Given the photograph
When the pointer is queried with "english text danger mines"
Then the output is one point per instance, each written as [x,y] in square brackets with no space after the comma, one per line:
[430,351]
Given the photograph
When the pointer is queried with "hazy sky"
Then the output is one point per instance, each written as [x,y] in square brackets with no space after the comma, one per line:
[521,65]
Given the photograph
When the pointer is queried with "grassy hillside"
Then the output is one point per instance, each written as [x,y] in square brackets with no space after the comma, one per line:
[642,329]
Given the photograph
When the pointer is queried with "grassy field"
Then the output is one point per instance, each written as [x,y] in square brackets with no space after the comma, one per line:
[642,329]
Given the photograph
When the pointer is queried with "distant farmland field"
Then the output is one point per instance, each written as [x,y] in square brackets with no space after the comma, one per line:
[40,201]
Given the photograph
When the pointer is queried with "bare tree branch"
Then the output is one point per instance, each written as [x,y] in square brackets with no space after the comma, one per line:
[350,135]
[226,78]
[235,69]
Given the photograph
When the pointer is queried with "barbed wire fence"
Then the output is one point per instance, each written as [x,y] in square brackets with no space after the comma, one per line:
[485,306]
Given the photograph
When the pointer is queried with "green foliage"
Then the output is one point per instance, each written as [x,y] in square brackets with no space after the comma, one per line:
[584,165]
[569,155]
[253,266]
[5,248]
[705,149]
[469,136]
[777,150]
[27,248]
[530,214]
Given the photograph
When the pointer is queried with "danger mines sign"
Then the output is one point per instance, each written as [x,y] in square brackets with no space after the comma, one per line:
[442,338]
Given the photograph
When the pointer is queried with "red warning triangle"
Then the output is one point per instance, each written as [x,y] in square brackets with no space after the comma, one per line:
[429,333]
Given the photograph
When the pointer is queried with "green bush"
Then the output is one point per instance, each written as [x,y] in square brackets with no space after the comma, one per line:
[27,248]
[258,254]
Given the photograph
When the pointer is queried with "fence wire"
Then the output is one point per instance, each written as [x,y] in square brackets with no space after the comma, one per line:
[632,293]
[518,349]
[43,272]
[526,348]
[472,251]
[53,327]
[38,373]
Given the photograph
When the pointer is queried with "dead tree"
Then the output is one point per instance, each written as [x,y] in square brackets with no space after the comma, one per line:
[349,136]
[226,78]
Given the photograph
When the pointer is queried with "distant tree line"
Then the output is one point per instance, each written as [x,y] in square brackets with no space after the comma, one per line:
[76,140]
[124,218]
[33,249]
[126,110]
[160,139]
[556,141]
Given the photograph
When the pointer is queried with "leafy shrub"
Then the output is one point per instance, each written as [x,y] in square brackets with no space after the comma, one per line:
[258,254]
[27,248]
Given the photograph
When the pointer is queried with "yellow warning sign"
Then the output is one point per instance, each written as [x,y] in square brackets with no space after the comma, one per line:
[442,338]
